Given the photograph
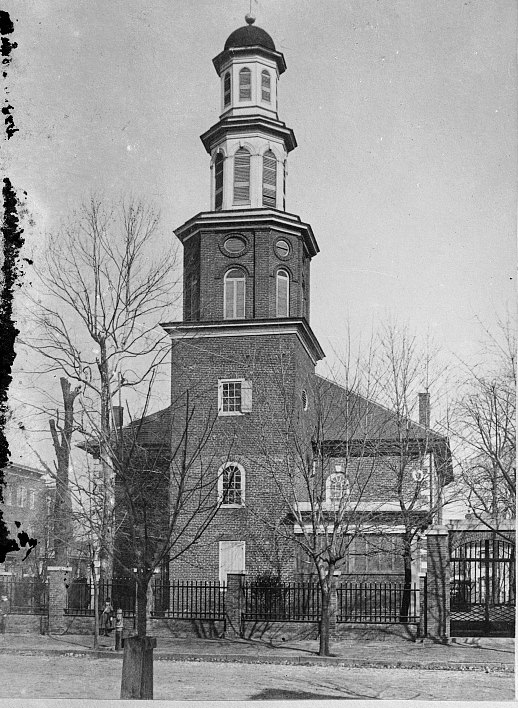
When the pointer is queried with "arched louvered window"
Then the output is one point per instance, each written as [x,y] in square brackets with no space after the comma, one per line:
[234,294]
[269,179]
[245,85]
[226,89]
[283,294]
[218,181]
[242,177]
[266,91]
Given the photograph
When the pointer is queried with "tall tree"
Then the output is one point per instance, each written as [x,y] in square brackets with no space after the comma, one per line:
[485,425]
[105,290]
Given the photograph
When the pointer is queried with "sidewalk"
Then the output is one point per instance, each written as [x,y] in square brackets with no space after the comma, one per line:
[465,654]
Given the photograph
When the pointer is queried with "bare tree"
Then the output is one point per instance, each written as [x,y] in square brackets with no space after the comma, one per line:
[485,425]
[104,295]
[419,462]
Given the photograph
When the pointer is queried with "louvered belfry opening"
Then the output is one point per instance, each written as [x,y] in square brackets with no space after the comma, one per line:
[242,177]
[269,179]
[226,89]
[218,177]
[266,92]
[245,85]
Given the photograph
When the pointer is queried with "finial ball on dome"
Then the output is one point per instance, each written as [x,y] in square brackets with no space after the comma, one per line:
[250,19]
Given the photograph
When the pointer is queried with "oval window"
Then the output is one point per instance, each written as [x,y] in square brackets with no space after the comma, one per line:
[282,248]
[234,245]
[305,401]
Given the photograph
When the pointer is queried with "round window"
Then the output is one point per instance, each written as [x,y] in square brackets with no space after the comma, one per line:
[304,397]
[235,245]
[282,248]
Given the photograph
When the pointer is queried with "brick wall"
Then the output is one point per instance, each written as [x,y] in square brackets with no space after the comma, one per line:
[206,257]
[277,366]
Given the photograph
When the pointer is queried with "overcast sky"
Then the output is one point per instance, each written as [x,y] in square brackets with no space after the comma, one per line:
[404,113]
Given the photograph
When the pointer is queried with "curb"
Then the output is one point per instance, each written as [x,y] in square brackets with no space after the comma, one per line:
[343,662]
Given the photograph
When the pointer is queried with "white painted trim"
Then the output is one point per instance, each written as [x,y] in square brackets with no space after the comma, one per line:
[220,330]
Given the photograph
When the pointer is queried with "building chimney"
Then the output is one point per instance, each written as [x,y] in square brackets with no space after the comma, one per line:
[424,409]
[118,416]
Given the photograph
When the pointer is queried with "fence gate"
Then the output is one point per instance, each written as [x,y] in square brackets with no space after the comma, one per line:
[482,590]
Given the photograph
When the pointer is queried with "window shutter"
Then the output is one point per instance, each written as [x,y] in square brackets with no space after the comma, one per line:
[269,179]
[246,397]
[245,85]
[220,397]
[240,299]
[242,176]
[231,558]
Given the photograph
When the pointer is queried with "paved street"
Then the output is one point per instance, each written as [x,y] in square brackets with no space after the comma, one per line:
[73,677]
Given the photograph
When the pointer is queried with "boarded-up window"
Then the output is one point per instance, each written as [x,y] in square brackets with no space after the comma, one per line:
[245,85]
[218,177]
[266,93]
[269,179]
[231,558]
[283,294]
[227,89]
[234,294]
[242,177]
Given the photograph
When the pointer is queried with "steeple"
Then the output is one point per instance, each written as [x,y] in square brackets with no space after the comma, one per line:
[247,260]
[249,144]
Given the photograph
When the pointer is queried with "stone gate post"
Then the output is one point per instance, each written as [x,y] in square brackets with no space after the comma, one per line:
[438,584]
[60,578]
[234,604]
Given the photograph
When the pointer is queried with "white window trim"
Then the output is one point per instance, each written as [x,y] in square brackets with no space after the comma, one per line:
[246,397]
[220,485]
[226,285]
[282,274]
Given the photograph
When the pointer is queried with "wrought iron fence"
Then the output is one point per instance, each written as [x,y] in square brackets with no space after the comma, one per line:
[189,599]
[27,596]
[121,592]
[293,602]
[373,603]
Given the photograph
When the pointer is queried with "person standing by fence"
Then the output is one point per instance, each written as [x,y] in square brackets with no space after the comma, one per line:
[106,618]
[119,628]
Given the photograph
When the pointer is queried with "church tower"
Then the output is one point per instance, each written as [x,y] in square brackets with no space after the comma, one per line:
[244,354]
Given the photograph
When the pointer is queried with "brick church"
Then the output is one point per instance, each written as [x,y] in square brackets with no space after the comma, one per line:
[245,398]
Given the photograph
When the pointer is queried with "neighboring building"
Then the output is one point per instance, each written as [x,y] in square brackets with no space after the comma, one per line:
[27,500]
[244,355]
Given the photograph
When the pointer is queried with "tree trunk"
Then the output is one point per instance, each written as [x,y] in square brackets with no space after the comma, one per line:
[63,531]
[96,606]
[108,474]
[407,587]
[326,590]
[142,600]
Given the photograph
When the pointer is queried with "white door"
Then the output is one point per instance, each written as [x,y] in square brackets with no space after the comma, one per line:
[231,558]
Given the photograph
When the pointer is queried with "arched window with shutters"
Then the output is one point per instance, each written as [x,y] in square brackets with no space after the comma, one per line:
[269,179]
[227,89]
[218,181]
[234,295]
[245,85]
[266,90]
[283,294]
[242,177]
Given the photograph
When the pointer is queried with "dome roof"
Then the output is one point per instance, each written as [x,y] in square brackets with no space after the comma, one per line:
[249,36]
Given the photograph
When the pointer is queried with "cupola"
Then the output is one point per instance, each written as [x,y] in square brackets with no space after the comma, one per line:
[249,144]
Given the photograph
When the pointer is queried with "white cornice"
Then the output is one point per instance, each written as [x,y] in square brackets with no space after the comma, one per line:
[199,330]
[248,219]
